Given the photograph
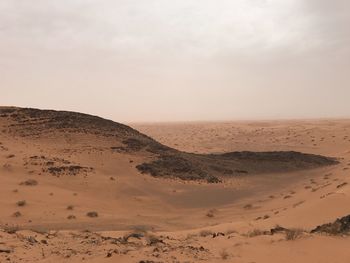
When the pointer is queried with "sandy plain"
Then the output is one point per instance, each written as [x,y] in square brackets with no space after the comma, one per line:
[102,209]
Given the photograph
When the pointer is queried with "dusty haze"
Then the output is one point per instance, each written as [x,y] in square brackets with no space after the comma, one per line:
[177,60]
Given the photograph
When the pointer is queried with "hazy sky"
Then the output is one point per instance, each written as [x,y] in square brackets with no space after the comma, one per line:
[156,60]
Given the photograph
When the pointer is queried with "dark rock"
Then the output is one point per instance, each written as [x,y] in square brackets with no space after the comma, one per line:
[32,240]
[278,229]
[92,214]
[5,250]
[341,226]
[218,234]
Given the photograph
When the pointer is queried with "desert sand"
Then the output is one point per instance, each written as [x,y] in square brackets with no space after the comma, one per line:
[76,188]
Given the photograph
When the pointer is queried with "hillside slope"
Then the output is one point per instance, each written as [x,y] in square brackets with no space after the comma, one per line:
[163,161]
[76,187]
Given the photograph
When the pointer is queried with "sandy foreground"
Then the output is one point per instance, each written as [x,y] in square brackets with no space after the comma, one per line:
[110,212]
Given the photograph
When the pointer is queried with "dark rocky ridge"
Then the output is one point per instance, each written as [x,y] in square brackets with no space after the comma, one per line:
[165,161]
[27,122]
[341,226]
[211,168]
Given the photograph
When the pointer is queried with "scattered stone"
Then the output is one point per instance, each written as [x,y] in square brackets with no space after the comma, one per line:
[17,214]
[342,185]
[5,250]
[32,240]
[211,213]
[21,203]
[266,217]
[92,214]
[248,206]
[278,229]
[29,182]
[218,234]
[137,235]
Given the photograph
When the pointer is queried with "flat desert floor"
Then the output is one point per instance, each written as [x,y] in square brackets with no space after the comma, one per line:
[134,217]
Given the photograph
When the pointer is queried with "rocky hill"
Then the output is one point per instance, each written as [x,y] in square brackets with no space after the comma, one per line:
[161,161]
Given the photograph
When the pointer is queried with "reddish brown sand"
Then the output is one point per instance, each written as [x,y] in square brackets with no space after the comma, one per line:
[172,220]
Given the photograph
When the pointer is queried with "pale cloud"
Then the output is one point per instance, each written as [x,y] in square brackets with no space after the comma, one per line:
[216,59]
[149,25]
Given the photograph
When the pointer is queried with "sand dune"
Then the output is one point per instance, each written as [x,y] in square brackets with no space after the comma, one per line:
[78,187]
